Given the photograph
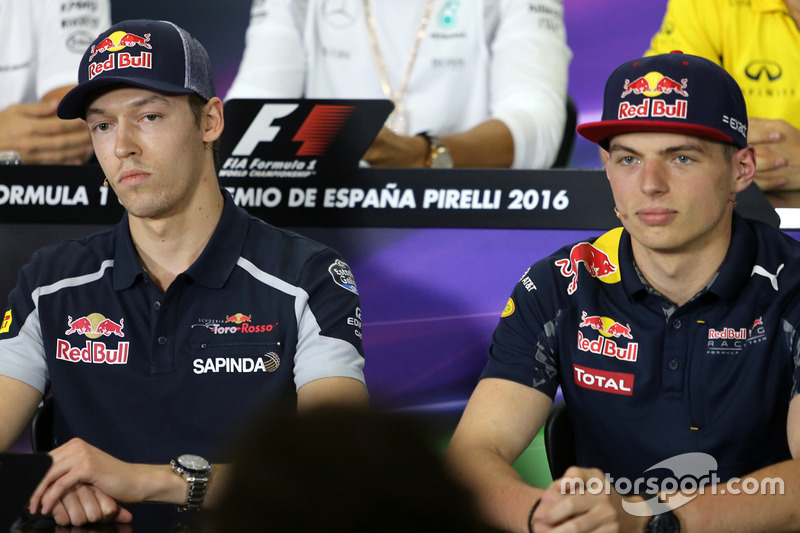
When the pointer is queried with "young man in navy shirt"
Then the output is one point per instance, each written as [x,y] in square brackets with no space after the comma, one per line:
[163,335]
[673,338]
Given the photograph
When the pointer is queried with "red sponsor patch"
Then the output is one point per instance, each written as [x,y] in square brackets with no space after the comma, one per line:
[603,380]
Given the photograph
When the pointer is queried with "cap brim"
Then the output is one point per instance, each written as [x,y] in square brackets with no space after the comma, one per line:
[74,103]
[599,132]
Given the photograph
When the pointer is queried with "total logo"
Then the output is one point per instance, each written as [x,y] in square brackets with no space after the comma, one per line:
[601,380]
[116,42]
[651,85]
[93,326]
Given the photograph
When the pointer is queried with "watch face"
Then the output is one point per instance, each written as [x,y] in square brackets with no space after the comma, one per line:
[193,462]
[664,523]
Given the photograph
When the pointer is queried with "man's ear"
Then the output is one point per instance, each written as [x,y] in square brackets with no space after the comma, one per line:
[744,163]
[214,120]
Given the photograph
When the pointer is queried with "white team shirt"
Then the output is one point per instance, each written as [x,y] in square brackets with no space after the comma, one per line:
[42,42]
[479,59]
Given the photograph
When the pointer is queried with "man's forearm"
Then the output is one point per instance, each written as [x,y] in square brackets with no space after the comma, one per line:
[766,500]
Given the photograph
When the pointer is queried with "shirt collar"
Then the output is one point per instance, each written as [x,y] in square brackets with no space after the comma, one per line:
[216,261]
[765,6]
[729,280]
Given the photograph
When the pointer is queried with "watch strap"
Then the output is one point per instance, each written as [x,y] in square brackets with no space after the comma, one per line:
[666,522]
[438,154]
[198,484]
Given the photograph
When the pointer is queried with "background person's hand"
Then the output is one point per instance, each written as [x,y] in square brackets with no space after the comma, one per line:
[392,150]
[40,137]
[777,153]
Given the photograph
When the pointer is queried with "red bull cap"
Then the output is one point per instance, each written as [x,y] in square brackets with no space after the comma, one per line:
[151,54]
[673,93]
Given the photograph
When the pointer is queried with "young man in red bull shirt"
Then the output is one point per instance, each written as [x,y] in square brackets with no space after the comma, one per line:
[129,328]
[674,338]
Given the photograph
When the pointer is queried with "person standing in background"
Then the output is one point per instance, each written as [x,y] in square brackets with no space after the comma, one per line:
[41,44]
[475,83]
[758,43]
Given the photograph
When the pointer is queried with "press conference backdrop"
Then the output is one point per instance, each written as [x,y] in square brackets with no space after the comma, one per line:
[601,35]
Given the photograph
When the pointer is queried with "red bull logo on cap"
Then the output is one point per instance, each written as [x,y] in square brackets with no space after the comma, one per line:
[120,40]
[116,42]
[654,84]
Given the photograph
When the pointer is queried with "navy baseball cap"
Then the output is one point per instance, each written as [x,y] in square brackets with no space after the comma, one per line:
[673,93]
[150,54]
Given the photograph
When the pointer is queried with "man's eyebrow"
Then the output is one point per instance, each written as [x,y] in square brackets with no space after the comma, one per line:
[686,147]
[139,102]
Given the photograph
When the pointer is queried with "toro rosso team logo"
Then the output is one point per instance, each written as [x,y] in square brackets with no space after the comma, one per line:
[93,326]
[654,84]
[116,42]
[596,261]
[236,323]
[608,329]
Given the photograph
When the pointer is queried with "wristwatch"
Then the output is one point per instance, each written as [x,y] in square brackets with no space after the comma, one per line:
[665,522]
[196,471]
[438,155]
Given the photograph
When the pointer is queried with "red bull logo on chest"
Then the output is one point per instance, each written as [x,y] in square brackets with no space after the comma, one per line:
[654,84]
[93,326]
[117,42]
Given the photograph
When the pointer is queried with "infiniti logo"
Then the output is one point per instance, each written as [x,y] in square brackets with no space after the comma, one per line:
[763,67]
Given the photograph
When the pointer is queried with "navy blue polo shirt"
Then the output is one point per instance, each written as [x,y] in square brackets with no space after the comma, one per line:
[147,376]
[645,380]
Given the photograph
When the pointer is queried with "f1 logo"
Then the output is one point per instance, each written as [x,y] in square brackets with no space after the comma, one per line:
[318,131]
[261,129]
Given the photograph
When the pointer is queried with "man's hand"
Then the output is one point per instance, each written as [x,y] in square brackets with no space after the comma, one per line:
[777,153]
[581,511]
[34,130]
[85,484]
[84,504]
[392,150]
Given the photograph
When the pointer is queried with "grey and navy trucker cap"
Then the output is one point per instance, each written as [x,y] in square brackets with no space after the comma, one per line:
[150,54]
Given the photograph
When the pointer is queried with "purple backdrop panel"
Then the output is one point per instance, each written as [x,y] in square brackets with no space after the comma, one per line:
[430,301]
